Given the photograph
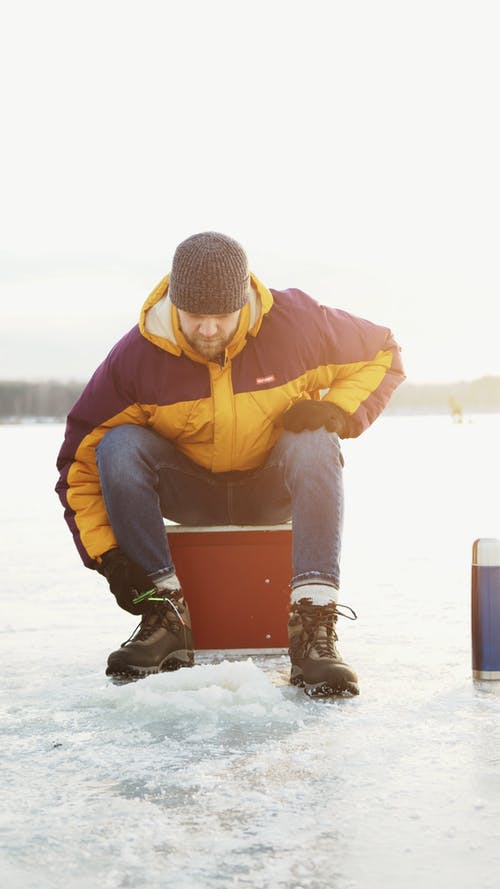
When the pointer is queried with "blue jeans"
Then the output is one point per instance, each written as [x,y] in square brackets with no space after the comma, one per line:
[144,478]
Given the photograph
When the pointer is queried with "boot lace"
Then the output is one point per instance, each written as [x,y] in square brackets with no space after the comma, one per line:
[166,615]
[318,625]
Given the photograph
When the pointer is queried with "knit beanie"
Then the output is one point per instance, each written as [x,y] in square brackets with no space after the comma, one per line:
[209,275]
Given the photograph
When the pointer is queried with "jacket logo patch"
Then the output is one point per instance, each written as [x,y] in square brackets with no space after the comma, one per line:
[269,379]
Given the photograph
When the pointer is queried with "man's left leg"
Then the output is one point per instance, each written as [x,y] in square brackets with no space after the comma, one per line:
[303,479]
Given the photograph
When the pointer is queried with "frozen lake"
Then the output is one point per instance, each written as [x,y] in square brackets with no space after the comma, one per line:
[223,776]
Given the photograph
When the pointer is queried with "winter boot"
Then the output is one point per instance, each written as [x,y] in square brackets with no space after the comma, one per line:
[162,641]
[316,664]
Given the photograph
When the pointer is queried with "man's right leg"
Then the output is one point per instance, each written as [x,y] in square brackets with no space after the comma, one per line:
[143,477]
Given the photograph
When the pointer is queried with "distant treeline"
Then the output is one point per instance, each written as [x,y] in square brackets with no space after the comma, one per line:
[476,396]
[47,400]
[53,400]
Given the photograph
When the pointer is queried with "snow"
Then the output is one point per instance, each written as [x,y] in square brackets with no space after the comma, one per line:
[224,775]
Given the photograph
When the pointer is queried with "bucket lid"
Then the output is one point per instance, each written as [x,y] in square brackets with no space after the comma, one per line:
[486,552]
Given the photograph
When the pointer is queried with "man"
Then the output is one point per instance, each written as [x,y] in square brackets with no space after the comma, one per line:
[225,405]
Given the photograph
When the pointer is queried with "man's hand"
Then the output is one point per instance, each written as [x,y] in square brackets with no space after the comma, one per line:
[126,580]
[307,414]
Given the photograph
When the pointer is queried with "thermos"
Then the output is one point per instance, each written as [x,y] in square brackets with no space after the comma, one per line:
[485,608]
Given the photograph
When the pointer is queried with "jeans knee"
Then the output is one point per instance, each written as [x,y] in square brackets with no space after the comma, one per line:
[311,448]
[118,447]
[114,438]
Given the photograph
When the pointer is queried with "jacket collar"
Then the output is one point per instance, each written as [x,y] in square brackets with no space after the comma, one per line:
[159,320]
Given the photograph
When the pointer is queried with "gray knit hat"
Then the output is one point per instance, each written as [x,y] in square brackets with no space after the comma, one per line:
[209,275]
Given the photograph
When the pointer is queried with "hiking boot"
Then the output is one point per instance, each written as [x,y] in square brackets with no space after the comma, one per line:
[316,663]
[162,641]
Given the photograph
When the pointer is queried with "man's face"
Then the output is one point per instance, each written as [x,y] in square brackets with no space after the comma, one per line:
[208,334]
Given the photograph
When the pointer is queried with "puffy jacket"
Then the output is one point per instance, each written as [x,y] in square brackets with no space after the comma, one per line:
[221,416]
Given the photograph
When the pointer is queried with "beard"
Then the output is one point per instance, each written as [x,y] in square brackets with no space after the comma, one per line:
[210,347]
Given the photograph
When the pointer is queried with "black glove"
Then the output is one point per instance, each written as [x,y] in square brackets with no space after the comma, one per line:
[307,414]
[126,580]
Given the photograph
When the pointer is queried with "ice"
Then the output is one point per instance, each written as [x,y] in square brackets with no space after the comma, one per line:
[224,775]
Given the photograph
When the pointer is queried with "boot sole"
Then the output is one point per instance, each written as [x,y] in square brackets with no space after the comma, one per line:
[324,689]
[350,689]
[173,661]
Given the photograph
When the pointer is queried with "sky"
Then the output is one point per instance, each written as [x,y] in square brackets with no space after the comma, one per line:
[353,149]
